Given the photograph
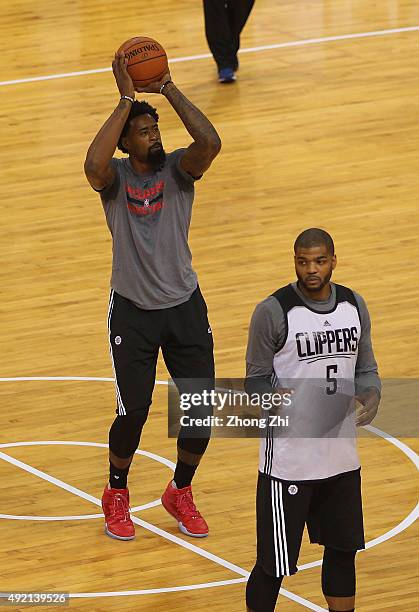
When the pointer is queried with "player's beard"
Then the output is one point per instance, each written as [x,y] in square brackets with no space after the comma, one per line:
[318,287]
[156,156]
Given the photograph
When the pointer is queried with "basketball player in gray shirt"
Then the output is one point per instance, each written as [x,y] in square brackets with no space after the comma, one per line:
[155,298]
[314,337]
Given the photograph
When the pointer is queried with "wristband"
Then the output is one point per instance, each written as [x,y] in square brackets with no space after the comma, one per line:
[132,100]
[164,85]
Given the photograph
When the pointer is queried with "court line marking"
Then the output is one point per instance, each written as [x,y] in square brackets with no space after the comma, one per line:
[191,58]
[192,587]
[205,585]
[152,504]
[94,500]
[150,527]
[76,378]
[75,517]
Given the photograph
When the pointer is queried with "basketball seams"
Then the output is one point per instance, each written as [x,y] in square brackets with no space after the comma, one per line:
[137,41]
[143,61]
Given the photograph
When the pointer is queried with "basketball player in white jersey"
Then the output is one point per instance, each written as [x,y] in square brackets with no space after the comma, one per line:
[314,337]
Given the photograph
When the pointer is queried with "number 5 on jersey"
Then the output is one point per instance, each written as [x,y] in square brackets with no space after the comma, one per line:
[332,380]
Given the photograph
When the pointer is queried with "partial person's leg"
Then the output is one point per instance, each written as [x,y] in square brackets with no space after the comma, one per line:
[280,518]
[219,35]
[338,579]
[336,522]
[134,346]
[262,590]
[238,14]
[188,354]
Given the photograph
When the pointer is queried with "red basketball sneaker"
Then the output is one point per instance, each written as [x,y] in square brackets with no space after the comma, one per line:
[179,503]
[115,505]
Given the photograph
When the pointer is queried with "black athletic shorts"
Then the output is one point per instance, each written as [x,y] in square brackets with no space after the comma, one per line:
[135,335]
[331,508]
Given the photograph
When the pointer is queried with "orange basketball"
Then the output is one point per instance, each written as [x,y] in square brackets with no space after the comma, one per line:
[147,60]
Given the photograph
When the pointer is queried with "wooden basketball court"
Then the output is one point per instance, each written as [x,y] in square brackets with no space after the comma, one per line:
[320,130]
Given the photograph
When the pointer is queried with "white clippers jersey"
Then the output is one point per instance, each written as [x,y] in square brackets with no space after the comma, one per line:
[317,361]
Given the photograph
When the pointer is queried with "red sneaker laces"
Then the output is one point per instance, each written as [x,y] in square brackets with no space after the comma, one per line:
[189,508]
[120,507]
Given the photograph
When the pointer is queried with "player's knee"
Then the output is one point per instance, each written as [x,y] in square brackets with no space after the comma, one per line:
[338,573]
[125,433]
[262,590]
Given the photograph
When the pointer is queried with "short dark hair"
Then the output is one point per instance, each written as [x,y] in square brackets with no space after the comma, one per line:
[138,108]
[313,237]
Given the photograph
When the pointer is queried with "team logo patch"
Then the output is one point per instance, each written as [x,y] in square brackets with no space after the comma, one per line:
[118,340]
[293,489]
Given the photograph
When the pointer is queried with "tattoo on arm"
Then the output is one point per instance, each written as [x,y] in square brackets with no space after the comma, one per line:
[206,143]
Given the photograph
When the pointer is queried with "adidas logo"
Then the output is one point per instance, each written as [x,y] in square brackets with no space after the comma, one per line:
[327,324]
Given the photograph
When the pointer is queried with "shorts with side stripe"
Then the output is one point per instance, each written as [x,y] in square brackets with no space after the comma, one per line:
[331,508]
[183,334]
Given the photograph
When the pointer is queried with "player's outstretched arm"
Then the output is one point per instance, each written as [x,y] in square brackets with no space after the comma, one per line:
[97,166]
[207,143]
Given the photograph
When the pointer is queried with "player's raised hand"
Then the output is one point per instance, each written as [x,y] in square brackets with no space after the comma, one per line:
[122,78]
[154,87]
[369,406]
